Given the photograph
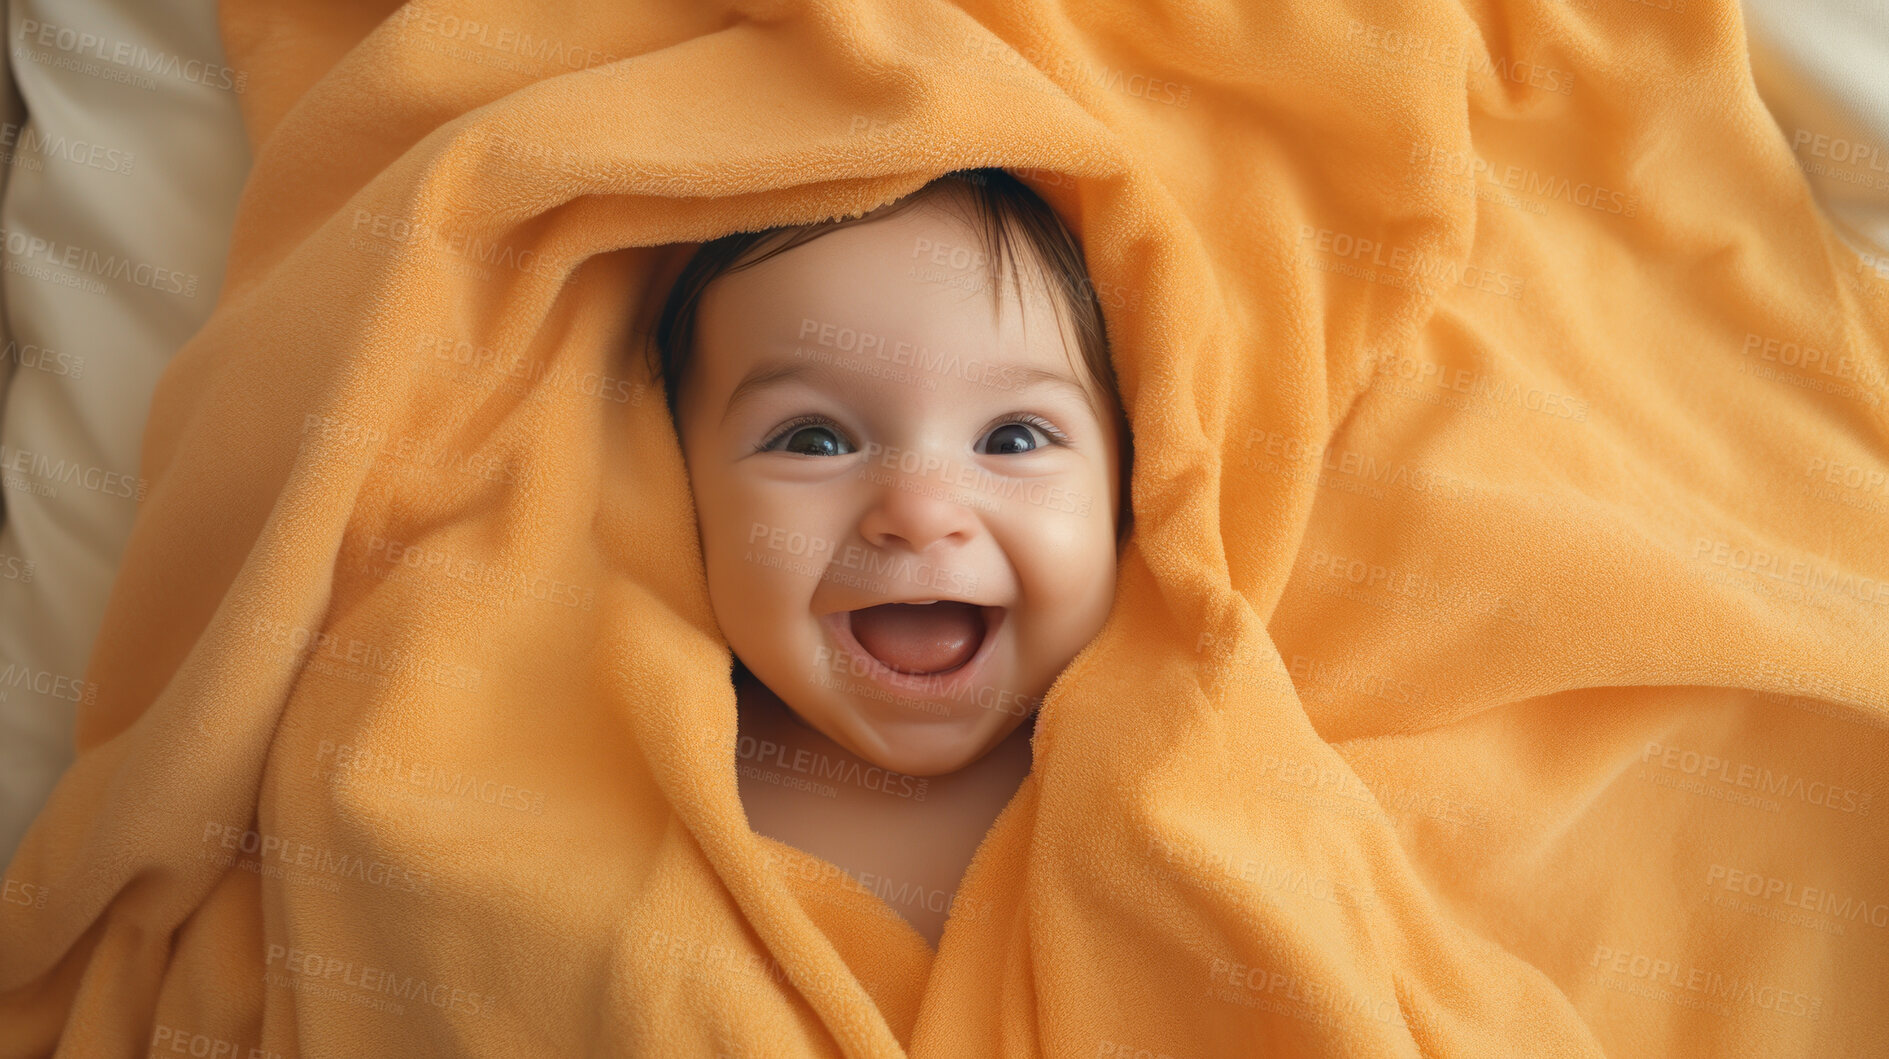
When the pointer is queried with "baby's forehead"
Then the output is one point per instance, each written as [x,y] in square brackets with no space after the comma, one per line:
[908,290]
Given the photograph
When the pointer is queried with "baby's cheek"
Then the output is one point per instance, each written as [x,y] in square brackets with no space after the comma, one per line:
[1084,570]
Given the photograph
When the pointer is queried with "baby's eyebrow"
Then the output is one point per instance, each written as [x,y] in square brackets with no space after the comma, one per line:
[1019,377]
[773,373]
[1027,377]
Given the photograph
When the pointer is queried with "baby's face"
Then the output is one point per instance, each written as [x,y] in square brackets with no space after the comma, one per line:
[859,430]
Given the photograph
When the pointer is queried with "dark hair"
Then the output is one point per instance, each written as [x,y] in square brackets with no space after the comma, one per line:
[1002,207]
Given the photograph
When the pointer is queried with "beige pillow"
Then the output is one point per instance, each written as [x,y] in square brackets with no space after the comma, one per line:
[132,151]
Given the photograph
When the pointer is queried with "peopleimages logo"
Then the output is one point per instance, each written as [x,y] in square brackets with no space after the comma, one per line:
[1584,194]
[1810,358]
[1838,149]
[46,682]
[62,471]
[825,767]
[1786,892]
[1409,263]
[389,231]
[290,853]
[18,143]
[465,354]
[31,248]
[902,353]
[1712,987]
[307,967]
[505,39]
[1760,563]
[1456,55]
[1705,766]
[128,55]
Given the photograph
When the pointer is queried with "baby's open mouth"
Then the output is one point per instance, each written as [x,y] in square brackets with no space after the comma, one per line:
[920,638]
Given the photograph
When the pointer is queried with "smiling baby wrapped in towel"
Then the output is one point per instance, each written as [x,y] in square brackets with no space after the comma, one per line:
[1496,665]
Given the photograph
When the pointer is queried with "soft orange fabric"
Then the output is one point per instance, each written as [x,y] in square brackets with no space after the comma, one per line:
[1499,659]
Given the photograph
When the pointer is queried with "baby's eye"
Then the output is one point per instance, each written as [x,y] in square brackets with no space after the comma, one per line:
[1018,436]
[809,439]
[813,437]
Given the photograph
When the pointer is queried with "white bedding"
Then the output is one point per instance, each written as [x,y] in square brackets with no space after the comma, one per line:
[83,362]
[1823,69]
[127,167]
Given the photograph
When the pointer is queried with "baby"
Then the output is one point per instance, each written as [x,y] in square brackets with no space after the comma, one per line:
[910,480]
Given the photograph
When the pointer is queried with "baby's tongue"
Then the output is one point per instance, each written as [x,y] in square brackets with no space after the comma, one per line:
[920,637]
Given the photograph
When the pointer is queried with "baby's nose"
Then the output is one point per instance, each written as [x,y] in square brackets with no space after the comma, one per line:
[917,511]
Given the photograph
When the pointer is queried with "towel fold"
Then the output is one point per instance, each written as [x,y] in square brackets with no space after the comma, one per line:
[1498,660]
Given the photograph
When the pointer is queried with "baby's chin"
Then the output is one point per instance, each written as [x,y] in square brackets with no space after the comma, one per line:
[922,745]
[918,749]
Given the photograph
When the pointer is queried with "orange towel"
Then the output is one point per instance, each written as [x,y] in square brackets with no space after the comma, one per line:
[1498,663]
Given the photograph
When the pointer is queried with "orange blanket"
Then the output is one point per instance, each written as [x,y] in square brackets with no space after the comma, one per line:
[1498,662]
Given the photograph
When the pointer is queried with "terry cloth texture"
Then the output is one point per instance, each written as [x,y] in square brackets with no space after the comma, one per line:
[1498,661]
